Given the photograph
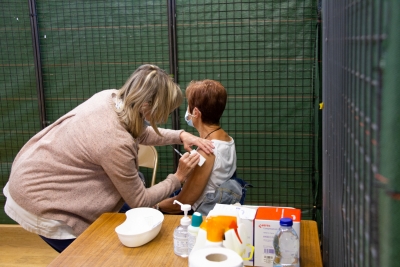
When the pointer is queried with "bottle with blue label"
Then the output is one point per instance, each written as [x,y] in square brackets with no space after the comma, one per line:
[286,245]
[181,232]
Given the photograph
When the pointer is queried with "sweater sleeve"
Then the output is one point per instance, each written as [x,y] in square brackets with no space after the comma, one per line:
[120,166]
[151,138]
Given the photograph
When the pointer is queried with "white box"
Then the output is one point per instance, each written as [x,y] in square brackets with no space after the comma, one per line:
[266,224]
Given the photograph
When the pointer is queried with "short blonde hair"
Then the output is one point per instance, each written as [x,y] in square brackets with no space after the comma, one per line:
[152,85]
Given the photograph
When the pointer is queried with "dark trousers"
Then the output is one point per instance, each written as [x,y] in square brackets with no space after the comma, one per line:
[58,244]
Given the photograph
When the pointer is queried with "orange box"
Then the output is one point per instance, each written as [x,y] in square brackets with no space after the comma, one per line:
[266,224]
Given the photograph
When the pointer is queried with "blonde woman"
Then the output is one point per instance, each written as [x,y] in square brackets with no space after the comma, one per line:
[86,164]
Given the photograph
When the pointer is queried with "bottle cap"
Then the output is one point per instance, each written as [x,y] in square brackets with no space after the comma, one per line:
[197,219]
[286,222]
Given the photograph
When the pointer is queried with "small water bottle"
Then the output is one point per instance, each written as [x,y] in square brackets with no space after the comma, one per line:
[181,232]
[286,245]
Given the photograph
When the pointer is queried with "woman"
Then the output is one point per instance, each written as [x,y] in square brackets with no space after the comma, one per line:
[211,183]
[86,164]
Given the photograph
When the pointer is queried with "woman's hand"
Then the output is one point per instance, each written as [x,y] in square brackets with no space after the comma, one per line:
[190,140]
[186,165]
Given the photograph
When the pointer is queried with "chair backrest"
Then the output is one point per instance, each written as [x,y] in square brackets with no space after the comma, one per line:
[148,157]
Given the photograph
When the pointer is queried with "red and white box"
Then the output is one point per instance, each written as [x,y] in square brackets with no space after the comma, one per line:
[266,224]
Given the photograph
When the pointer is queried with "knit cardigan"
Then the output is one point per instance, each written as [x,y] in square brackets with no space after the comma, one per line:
[85,164]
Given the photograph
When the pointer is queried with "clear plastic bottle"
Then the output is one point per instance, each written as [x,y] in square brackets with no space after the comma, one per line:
[193,229]
[286,245]
[181,232]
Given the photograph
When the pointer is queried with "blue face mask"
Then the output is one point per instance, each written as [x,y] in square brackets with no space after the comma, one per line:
[143,111]
[146,123]
[189,122]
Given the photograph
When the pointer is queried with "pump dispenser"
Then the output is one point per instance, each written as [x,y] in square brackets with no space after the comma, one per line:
[185,208]
[181,232]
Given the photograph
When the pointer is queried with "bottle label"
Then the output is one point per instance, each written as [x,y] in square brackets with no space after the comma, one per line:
[268,259]
[269,251]
[181,244]
[191,242]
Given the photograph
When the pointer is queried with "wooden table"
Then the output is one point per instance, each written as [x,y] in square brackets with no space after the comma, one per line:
[99,246]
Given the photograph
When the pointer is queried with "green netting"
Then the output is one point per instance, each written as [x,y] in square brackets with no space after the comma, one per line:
[262,51]
[88,46]
[389,205]
[352,88]
[19,113]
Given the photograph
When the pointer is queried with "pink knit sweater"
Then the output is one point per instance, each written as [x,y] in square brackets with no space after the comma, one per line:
[85,164]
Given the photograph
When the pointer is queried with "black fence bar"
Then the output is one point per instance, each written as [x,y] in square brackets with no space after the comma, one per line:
[173,61]
[37,62]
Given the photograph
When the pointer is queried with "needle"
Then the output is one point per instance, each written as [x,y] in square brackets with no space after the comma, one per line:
[177,151]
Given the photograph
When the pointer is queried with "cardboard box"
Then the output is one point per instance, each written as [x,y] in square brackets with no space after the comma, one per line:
[266,224]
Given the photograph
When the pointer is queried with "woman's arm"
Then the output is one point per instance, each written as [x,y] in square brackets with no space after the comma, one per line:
[170,137]
[193,187]
[190,140]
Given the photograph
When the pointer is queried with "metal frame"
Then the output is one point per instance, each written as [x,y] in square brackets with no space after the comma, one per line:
[173,61]
[37,62]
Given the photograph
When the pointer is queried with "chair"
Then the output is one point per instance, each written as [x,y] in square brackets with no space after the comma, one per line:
[148,157]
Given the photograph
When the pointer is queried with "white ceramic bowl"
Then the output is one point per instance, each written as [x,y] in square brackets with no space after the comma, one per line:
[140,227]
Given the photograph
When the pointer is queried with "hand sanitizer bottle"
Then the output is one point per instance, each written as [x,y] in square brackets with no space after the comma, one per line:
[181,232]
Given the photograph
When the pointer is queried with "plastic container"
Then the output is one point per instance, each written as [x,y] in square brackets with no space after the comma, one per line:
[140,227]
[220,229]
[286,245]
[193,230]
[209,250]
[181,232]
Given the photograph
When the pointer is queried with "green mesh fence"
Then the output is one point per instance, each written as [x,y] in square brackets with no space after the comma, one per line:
[85,47]
[88,46]
[19,112]
[359,130]
[389,206]
[263,52]
[102,43]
